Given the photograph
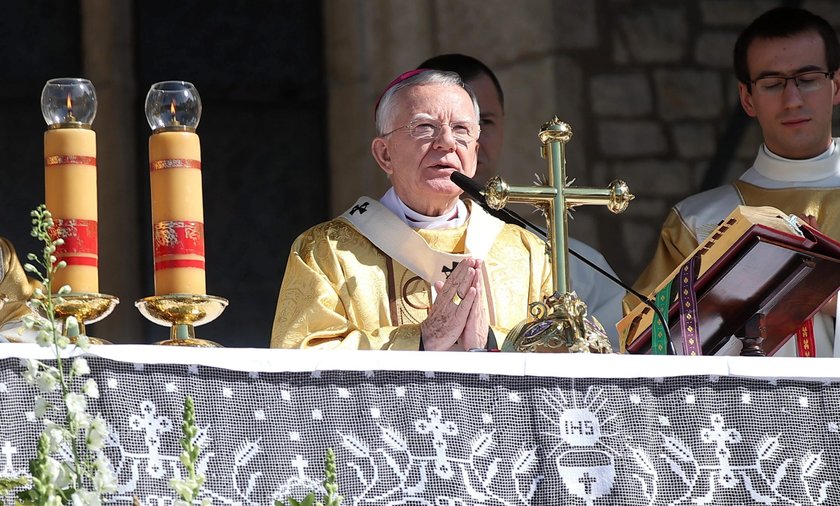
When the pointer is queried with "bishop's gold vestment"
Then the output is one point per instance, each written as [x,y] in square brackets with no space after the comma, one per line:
[341,291]
[14,284]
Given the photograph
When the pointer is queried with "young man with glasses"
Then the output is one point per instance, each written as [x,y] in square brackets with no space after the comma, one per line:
[786,63]
[418,268]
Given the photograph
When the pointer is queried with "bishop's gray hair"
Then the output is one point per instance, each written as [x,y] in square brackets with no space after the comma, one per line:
[385,112]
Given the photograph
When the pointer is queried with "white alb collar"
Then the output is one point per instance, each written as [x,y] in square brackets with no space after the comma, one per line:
[452,218]
[773,166]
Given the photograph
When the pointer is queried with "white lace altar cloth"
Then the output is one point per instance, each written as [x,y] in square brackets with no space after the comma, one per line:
[413,428]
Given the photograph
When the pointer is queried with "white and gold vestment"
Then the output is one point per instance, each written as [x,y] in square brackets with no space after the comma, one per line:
[342,290]
[801,187]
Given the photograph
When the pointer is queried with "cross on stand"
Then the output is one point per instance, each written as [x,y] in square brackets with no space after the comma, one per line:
[556,198]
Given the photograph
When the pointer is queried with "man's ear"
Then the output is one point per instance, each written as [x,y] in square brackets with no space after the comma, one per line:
[382,154]
[835,81]
[746,99]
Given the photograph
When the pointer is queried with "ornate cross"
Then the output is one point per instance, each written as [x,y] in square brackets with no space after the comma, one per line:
[556,198]
[362,208]
[152,426]
[438,428]
[720,437]
[447,270]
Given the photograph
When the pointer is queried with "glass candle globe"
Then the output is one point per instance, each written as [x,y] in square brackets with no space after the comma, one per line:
[68,102]
[173,105]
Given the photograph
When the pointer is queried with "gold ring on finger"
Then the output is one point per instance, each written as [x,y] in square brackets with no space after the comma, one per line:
[456,299]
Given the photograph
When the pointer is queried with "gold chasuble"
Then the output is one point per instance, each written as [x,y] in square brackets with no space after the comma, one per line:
[14,284]
[342,290]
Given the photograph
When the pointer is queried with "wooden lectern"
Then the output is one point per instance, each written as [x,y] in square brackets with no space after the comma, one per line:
[761,275]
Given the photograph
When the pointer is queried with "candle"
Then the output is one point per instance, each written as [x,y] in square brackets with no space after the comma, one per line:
[173,109]
[69,107]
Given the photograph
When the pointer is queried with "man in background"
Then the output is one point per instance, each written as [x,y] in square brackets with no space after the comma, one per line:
[786,63]
[601,295]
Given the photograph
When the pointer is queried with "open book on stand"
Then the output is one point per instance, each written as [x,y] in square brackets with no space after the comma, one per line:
[758,262]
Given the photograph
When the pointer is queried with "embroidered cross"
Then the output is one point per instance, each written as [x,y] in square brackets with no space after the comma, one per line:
[447,270]
[7,451]
[152,426]
[720,437]
[299,463]
[587,481]
[362,208]
[438,428]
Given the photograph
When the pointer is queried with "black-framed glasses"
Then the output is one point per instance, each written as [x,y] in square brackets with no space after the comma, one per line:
[806,82]
[463,132]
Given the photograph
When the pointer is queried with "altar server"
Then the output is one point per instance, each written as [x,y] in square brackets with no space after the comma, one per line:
[786,63]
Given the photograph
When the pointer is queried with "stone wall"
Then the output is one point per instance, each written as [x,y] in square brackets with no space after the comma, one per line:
[647,87]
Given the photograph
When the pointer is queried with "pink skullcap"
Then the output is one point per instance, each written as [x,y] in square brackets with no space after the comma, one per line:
[400,78]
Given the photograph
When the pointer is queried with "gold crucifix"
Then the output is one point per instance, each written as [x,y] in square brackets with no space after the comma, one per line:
[555,199]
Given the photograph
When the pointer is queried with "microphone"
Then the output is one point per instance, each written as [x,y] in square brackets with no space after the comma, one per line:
[474,190]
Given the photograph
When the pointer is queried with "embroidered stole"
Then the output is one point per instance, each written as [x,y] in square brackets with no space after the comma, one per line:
[413,265]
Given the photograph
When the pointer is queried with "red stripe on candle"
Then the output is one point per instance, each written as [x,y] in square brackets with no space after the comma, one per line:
[79,260]
[178,238]
[175,163]
[69,160]
[80,236]
[178,264]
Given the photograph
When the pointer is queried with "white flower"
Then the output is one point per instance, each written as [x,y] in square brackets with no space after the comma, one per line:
[65,289]
[76,403]
[41,406]
[30,375]
[104,478]
[83,342]
[80,367]
[47,381]
[61,341]
[91,389]
[96,434]
[58,473]
[44,338]
[85,498]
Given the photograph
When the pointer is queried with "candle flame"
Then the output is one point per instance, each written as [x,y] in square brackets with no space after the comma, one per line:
[69,102]
[172,107]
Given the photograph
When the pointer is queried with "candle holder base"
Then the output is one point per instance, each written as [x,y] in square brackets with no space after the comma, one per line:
[86,308]
[183,312]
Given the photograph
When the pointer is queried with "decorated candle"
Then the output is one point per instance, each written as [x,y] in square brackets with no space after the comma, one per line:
[69,107]
[173,109]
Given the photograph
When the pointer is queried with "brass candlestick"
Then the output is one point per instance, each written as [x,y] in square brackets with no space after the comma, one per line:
[183,312]
[86,308]
[559,323]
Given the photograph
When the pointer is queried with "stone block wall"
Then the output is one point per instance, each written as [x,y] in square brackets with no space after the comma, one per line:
[647,87]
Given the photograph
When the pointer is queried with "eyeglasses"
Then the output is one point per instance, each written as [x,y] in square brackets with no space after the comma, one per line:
[806,82]
[463,132]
